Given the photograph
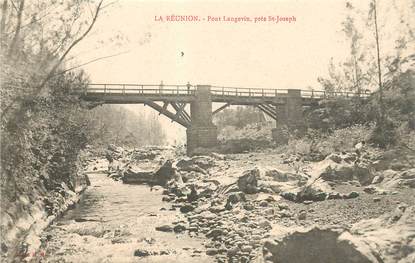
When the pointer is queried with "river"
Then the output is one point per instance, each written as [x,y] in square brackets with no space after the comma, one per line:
[114,221]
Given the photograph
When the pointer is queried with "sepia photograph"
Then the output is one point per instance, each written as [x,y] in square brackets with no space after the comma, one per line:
[190,131]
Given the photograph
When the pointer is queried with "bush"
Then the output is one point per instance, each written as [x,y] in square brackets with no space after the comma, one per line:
[324,144]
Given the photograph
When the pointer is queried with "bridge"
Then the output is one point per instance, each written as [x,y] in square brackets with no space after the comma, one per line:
[284,106]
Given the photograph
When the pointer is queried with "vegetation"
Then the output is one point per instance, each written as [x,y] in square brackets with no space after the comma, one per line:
[44,126]
[238,117]
[119,126]
[389,73]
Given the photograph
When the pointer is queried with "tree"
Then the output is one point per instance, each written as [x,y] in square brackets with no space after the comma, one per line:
[39,35]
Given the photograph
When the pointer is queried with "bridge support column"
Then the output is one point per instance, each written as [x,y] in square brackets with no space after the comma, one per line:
[294,112]
[290,120]
[202,133]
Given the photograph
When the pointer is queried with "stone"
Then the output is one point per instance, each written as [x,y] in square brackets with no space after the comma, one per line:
[246,248]
[249,207]
[370,189]
[141,253]
[215,233]
[265,224]
[289,196]
[187,164]
[263,203]
[390,234]
[232,251]
[302,215]
[377,179]
[351,195]
[187,208]
[211,251]
[165,173]
[334,195]
[315,245]
[283,206]
[164,228]
[248,182]
[335,158]
[179,228]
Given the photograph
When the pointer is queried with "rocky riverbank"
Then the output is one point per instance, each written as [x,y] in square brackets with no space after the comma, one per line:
[239,202]
[24,221]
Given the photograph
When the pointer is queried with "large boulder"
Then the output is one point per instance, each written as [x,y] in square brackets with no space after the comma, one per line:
[343,171]
[165,173]
[395,159]
[248,182]
[189,165]
[392,235]
[387,239]
[315,245]
[149,174]
[397,179]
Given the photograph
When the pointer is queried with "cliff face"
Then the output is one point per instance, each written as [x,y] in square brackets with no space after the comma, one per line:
[24,217]
[42,133]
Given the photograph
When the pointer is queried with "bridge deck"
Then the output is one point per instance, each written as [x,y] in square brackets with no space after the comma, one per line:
[140,93]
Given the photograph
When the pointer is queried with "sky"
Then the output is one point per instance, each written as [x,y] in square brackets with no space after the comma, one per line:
[246,54]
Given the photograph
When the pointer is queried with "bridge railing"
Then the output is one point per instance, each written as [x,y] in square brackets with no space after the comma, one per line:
[258,92]
[247,92]
[189,90]
[321,94]
[145,89]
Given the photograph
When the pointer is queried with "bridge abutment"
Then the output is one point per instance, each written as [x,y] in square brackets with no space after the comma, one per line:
[202,133]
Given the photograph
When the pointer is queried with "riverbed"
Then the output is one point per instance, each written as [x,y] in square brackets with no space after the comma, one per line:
[116,222]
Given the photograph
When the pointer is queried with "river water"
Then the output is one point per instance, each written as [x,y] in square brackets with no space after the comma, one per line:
[113,221]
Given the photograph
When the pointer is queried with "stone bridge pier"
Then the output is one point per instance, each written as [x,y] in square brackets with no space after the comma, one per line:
[290,118]
[202,133]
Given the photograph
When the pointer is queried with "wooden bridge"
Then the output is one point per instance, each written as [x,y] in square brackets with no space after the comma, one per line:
[283,105]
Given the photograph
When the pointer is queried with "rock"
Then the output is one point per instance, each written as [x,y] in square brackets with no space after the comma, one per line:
[211,251]
[232,251]
[249,207]
[283,207]
[237,197]
[289,196]
[308,202]
[315,245]
[390,235]
[187,208]
[334,195]
[164,228]
[135,175]
[207,215]
[263,203]
[165,173]
[204,162]
[187,164]
[302,215]
[376,199]
[248,182]
[370,189]
[246,248]
[335,158]
[179,228]
[141,253]
[281,176]
[215,233]
[344,172]
[377,179]
[265,224]
[351,195]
